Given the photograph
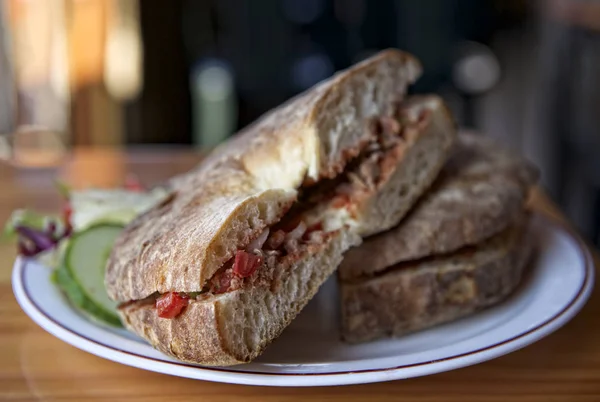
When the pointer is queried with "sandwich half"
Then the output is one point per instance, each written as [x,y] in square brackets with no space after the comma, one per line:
[415,295]
[461,248]
[216,272]
[481,190]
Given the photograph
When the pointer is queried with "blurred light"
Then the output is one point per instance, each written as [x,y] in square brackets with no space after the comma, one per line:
[123,55]
[302,11]
[31,24]
[39,55]
[214,103]
[59,57]
[86,30]
[310,70]
[215,82]
[477,69]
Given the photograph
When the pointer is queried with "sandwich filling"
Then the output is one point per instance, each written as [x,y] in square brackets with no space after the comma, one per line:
[320,211]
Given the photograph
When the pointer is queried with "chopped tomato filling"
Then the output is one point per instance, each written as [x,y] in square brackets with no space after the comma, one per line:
[245,263]
[317,227]
[171,304]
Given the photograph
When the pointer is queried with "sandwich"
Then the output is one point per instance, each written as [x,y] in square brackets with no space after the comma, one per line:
[463,247]
[217,270]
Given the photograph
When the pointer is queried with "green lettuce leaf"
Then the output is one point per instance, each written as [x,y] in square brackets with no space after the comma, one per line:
[31,219]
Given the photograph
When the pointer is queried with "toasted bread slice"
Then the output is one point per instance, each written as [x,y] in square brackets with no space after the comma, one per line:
[480,191]
[412,296]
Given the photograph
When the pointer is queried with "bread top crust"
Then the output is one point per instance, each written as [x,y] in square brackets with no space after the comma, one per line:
[480,192]
[316,132]
[249,182]
[501,244]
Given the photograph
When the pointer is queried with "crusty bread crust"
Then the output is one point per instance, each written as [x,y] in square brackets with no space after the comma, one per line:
[417,295]
[480,191]
[235,327]
[194,336]
[315,133]
[251,181]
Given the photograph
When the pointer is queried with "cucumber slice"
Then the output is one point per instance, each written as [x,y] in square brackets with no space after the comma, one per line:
[77,298]
[85,260]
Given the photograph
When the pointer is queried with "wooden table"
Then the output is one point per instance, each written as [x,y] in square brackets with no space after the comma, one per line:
[36,366]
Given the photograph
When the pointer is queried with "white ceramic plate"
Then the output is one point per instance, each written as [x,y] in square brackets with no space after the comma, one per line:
[309,352]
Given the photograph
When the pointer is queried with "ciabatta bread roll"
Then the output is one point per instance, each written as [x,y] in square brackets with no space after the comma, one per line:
[221,267]
[462,248]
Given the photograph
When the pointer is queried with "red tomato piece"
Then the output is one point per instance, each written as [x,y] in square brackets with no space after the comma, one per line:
[171,304]
[317,227]
[132,183]
[67,213]
[245,263]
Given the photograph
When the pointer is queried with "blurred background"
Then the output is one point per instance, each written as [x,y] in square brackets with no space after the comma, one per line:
[183,73]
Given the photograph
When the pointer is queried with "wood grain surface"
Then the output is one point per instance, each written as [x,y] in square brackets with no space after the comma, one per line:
[35,366]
